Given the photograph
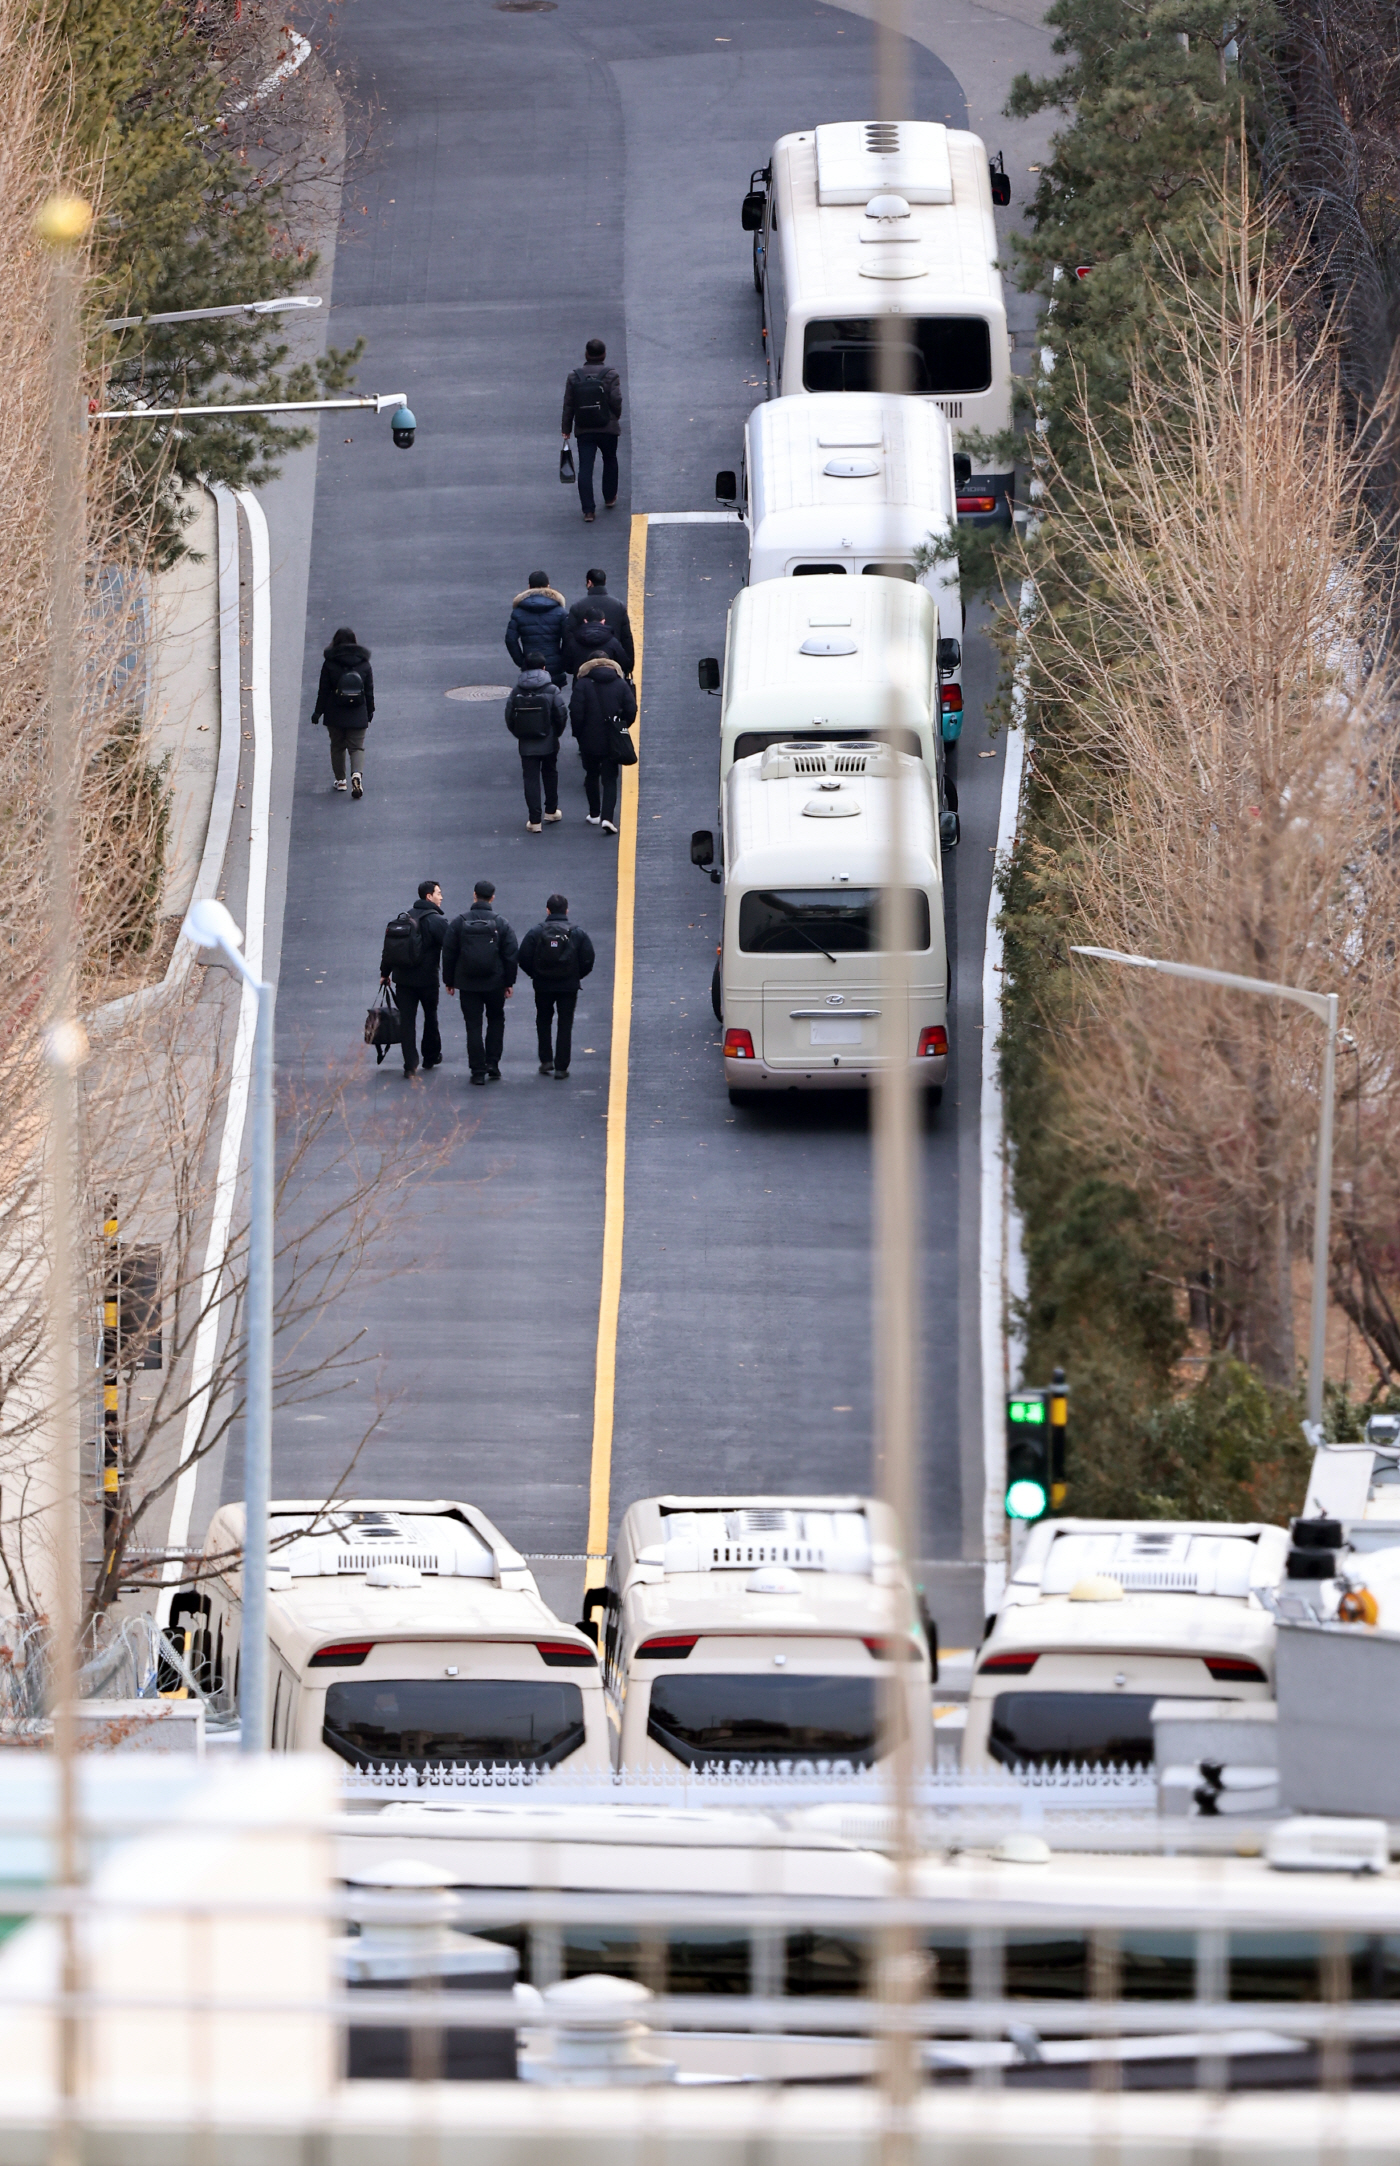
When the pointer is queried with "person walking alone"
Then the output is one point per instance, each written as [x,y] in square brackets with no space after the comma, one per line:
[479,962]
[536,715]
[557,956]
[593,412]
[537,626]
[614,615]
[602,708]
[412,945]
[345,703]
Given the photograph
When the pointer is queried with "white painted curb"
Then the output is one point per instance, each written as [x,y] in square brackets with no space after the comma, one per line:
[1002,1246]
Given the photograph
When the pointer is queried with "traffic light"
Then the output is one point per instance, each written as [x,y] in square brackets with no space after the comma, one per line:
[1027,1454]
[1059,1426]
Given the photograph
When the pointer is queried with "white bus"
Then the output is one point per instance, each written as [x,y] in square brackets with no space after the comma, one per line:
[810,661]
[875,246]
[402,1635]
[841,485]
[808,848]
[758,1630]
[1101,1618]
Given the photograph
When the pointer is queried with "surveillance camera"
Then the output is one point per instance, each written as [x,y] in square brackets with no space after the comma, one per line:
[404,427]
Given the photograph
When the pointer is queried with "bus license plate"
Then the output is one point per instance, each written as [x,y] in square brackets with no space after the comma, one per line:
[841,1030]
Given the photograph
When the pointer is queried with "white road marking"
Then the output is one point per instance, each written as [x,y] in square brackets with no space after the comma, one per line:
[211,1299]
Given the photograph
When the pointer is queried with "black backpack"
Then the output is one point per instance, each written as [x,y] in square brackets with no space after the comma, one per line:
[554,952]
[532,718]
[350,689]
[403,942]
[478,951]
[592,406]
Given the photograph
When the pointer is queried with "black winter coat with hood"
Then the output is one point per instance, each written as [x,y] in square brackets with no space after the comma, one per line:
[333,667]
[537,627]
[580,959]
[602,700]
[615,621]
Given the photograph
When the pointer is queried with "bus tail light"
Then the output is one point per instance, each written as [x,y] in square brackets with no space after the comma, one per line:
[738,1045]
[950,697]
[977,503]
[345,1655]
[668,1647]
[933,1042]
[1234,1669]
[564,1655]
[1016,1665]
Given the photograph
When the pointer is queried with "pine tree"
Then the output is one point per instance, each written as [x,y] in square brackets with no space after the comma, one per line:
[185,223]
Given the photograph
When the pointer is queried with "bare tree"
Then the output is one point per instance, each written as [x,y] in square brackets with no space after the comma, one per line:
[1215,670]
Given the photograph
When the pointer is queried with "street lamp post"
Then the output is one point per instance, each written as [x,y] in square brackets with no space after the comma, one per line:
[209,925]
[395,403]
[205,315]
[1324,1007]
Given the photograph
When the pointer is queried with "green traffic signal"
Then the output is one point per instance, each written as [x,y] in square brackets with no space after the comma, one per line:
[1027,1455]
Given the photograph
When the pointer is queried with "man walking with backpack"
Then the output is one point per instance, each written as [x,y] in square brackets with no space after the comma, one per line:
[536,713]
[602,709]
[345,703]
[593,411]
[412,945]
[558,956]
[479,960]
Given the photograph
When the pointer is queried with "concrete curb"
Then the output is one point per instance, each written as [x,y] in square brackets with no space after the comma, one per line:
[113,1014]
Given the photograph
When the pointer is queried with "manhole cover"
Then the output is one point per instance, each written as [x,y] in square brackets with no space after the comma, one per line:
[527,7]
[479,691]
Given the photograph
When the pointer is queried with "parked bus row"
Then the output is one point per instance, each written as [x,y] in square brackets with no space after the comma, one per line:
[885,327]
[412,1634]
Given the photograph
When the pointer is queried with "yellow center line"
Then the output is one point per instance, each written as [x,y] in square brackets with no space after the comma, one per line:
[615,1179]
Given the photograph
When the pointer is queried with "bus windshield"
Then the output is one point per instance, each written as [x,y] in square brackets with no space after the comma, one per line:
[841,920]
[932,354]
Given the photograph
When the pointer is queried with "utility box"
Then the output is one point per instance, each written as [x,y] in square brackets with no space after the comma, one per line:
[1338,1690]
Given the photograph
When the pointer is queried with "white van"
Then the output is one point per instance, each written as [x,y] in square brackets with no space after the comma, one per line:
[863,225]
[807,851]
[839,485]
[1101,1618]
[402,1634]
[759,1629]
[808,661]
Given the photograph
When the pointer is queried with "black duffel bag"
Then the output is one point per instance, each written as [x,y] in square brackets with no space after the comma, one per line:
[383,1024]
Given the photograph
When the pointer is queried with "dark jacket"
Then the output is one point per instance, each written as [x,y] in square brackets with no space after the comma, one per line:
[613,385]
[328,708]
[580,955]
[433,926]
[502,970]
[537,627]
[601,698]
[533,745]
[614,617]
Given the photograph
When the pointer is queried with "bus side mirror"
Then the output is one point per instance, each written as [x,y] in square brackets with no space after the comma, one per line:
[702,848]
[948,830]
[1001,181]
[727,485]
[962,469]
[751,216]
[709,673]
[949,654]
[930,1634]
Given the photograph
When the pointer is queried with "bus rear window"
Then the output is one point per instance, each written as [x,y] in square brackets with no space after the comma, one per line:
[804,920]
[705,1720]
[1068,1729]
[932,354]
[416,1721]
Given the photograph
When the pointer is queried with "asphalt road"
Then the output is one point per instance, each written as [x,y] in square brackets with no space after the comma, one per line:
[539,178]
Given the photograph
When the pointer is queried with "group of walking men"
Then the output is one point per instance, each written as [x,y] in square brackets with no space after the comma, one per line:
[479,958]
[549,642]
